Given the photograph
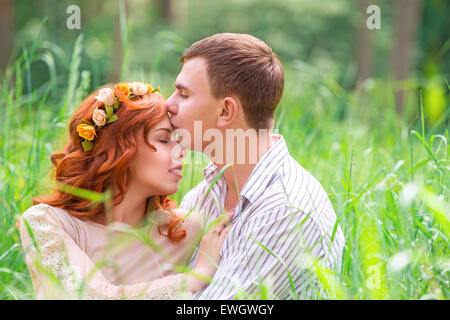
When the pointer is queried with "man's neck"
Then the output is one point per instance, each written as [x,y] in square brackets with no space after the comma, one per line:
[237,175]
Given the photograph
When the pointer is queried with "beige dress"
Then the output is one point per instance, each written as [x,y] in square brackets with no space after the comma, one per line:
[69,258]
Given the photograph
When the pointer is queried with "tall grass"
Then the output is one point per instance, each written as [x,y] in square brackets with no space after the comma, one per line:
[387,177]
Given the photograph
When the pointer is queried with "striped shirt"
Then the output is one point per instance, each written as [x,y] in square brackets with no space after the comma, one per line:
[283,223]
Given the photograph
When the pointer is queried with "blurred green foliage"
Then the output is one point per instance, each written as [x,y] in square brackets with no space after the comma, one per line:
[386,175]
[320,33]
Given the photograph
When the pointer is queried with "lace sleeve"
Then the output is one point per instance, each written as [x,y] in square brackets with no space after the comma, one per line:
[61,270]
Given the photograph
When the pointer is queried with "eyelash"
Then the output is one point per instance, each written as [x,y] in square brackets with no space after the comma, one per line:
[183,96]
[163,141]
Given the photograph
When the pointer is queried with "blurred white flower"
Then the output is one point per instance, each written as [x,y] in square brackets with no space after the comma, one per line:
[399,261]
[408,194]
[99,117]
[399,164]
[138,88]
[107,96]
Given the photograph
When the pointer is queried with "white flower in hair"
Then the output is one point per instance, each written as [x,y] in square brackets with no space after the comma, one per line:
[99,117]
[107,96]
[138,88]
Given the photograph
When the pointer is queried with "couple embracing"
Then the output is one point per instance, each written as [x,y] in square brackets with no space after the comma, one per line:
[257,220]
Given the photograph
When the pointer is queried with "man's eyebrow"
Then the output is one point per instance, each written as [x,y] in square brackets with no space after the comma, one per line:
[180,86]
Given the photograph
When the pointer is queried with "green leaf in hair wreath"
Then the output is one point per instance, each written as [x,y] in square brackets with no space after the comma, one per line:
[109,111]
[87,145]
[87,122]
[116,105]
[156,89]
[112,119]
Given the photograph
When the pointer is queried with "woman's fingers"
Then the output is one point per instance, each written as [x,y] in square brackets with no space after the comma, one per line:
[226,230]
[225,220]
[223,235]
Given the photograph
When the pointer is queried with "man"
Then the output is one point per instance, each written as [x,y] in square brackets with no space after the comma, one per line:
[284,224]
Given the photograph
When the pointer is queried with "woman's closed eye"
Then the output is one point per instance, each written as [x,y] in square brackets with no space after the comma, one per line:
[163,138]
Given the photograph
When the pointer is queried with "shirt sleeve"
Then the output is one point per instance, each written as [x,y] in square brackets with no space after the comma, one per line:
[274,249]
[61,270]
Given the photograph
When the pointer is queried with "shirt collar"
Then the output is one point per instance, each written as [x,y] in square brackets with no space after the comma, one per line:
[210,172]
[261,174]
[265,169]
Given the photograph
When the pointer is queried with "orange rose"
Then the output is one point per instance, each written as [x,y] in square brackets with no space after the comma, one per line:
[124,88]
[86,131]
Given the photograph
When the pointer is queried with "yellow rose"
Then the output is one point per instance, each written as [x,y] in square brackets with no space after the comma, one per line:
[86,131]
[124,88]
[149,88]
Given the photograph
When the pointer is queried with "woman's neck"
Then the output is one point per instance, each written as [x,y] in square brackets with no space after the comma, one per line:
[130,212]
[132,209]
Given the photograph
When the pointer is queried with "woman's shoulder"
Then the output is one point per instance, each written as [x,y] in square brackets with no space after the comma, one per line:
[43,213]
[43,209]
[35,221]
[37,211]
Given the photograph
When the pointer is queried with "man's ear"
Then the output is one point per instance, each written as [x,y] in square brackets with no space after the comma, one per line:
[228,113]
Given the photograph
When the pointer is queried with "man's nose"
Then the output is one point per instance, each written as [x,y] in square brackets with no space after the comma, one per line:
[171,106]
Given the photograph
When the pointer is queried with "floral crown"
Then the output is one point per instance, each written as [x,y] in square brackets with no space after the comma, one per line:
[111,102]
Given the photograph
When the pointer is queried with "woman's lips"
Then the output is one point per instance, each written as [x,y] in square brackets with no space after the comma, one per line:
[177,171]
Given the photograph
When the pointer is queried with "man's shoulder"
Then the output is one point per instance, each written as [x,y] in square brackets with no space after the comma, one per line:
[299,180]
[294,187]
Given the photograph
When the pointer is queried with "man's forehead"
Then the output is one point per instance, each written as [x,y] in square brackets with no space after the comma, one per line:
[193,71]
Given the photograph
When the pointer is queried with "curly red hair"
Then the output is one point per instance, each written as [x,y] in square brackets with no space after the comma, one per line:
[106,165]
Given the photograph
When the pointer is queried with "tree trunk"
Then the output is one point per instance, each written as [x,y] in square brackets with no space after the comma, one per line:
[407,14]
[115,72]
[6,32]
[179,13]
[166,10]
[364,46]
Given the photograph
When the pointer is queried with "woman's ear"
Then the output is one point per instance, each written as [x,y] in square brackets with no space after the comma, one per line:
[228,112]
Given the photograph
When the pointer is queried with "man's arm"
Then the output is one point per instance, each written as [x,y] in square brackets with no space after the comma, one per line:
[272,246]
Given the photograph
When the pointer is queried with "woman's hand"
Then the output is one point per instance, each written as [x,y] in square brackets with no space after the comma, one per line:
[208,255]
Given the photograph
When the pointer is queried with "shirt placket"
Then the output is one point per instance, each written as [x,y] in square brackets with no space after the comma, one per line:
[218,193]
[240,207]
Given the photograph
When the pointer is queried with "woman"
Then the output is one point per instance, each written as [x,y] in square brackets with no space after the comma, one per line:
[120,141]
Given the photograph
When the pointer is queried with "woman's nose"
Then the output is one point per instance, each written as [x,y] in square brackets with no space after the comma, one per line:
[182,152]
[179,152]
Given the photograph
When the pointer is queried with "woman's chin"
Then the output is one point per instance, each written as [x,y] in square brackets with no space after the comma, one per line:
[171,190]
[165,190]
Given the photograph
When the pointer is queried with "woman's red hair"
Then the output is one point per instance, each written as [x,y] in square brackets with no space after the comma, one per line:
[106,165]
